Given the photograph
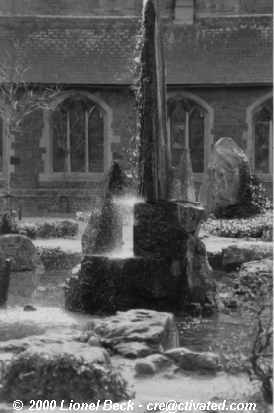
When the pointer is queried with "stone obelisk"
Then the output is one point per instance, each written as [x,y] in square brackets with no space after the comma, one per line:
[152,117]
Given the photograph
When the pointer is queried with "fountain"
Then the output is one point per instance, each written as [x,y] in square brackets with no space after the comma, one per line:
[168,269]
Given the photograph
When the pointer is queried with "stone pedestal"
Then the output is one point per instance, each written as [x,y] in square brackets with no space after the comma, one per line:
[107,285]
[169,269]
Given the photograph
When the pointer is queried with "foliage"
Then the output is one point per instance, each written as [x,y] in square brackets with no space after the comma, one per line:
[253,291]
[57,259]
[49,229]
[253,227]
[253,198]
[7,225]
[50,375]
[259,196]
[18,99]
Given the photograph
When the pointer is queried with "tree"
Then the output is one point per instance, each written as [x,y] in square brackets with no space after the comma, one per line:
[18,99]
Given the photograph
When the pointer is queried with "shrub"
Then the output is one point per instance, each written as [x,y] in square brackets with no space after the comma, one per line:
[58,373]
[57,259]
[253,199]
[49,229]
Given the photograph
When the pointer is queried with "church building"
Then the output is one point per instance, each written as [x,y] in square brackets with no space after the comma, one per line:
[219,84]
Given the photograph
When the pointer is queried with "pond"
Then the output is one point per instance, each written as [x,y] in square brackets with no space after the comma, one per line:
[229,335]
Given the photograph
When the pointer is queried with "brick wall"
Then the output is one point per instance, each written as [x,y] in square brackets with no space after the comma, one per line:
[38,197]
[77,7]
[229,105]
[232,7]
[128,7]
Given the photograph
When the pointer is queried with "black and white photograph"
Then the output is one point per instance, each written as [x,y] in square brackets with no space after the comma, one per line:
[136,206]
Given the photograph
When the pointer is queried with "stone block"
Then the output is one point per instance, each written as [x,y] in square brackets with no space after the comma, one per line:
[157,230]
[107,284]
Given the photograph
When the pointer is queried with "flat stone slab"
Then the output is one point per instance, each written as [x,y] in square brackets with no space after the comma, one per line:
[229,253]
[157,329]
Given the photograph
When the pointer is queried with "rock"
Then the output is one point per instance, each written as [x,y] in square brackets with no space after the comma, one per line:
[144,368]
[224,177]
[94,341]
[202,288]
[89,236]
[156,329]
[133,349]
[191,217]
[267,234]
[153,364]
[168,270]
[194,309]
[182,186]
[235,255]
[105,234]
[22,253]
[194,361]
[29,307]
[253,276]
[75,270]
[64,372]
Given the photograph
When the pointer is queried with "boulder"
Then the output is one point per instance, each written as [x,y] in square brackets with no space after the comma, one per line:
[144,368]
[156,329]
[25,265]
[194,361]
[235,255]
[253,277]
[153,364]
[225,176]
[64,372]
[133,349]
[21,251]
[104,234]
[202,288]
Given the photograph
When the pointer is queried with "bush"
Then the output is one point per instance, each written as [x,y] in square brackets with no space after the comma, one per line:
[253,199]
[49,229]
[57,259]
[253,227]
[59,374]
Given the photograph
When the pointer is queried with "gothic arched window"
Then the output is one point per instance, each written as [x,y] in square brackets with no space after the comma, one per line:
[263,129]
[78,136]
[187,129]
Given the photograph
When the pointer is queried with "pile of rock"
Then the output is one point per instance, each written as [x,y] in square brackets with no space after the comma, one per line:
[86,365]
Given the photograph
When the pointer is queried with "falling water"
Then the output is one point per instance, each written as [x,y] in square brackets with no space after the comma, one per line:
[126,208]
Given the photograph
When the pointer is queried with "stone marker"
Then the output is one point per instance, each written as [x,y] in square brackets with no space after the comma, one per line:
[224,177]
